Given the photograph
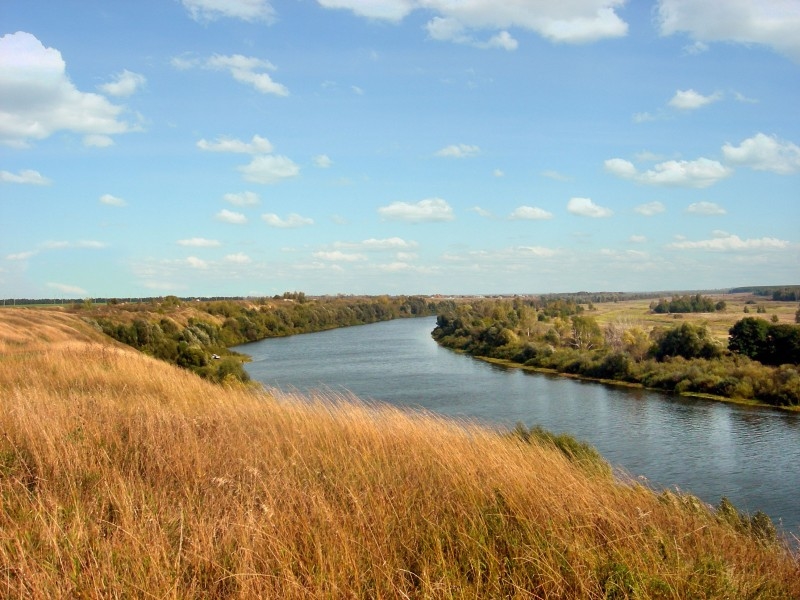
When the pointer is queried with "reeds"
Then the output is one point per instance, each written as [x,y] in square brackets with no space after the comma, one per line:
[121,476]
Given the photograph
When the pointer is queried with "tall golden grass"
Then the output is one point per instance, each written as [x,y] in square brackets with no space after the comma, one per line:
[123,477]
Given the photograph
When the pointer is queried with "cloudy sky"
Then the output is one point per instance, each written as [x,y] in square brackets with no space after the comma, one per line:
[250,147]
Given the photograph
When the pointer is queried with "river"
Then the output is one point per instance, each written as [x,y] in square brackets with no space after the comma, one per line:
[710,449]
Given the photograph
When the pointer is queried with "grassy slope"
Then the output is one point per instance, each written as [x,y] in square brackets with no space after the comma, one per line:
[121,476]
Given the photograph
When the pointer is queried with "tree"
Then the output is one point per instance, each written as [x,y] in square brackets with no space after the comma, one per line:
[686,340]
[748,337]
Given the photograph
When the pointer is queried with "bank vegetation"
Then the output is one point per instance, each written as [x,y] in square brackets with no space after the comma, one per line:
[122,476]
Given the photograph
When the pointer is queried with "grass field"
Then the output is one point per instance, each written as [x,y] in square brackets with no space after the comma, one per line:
[637,312]
[124,477]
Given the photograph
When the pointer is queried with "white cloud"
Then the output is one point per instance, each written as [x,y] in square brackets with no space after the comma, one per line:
[498,173]
[373,244]
[196,263]
[451,30]
[239,258]
[765,153]
[323,161]
[706,209]
[269,169]
[339,256]
[126,83]
[95,140]
[431,209]
[228,216]
[699,173]
[37,98]
[68,289]
[732,243]
[584,207]
[291,221]
[112,200]
[638,239]
[459,151]
[242,199]
[22,255]
[555,175]
[199,243]
[644,117]
[539,251]
[244,69]
[774,24]
[27,176]
[481,211]
[247,10]
[570,22]
[530,213]
[691,100]
[650,209]
[257,145]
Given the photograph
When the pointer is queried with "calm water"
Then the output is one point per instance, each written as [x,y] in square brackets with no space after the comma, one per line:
[710,449]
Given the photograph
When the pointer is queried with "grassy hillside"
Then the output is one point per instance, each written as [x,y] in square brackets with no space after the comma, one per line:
[124,477]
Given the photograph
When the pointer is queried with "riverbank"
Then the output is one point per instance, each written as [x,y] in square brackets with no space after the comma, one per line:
[121,476]
[627,384]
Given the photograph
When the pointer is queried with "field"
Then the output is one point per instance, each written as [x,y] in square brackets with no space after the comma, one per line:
[637,312]
[125,477]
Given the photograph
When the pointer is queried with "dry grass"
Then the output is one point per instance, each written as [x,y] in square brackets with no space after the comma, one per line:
[637,312]
[123,477]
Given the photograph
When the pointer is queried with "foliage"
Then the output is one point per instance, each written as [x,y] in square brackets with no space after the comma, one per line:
[683,358]
[123,477]
[769,343]
[191,334]
[687,304]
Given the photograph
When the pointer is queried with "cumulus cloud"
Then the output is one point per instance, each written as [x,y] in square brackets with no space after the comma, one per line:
[339,256]
[700,173]
[257,145]
[581,21]
[110,200]
[247,10]
[244,69]
[584,207]
[431,209]
[374,244]
[239,258]
[691,100]
[228,216]
[37,99]
[650,209]
[27,176]
[196,263]
[706,209]
[269,169]
[732,243]
[458,151]
[765,153]
[242,199]
[291,221]
[323,161]
[198,242]
[530,213]
[125,83]
[66,288]
[555,175]
[774,24]
[481,211]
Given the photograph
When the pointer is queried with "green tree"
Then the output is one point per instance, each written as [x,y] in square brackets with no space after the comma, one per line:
[686,340]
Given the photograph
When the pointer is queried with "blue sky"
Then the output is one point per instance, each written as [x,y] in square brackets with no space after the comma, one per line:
[248,147]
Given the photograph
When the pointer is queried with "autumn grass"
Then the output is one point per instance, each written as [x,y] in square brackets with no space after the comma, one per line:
[124,477]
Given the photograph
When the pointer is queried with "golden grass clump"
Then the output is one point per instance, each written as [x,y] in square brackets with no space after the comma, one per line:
[124,477]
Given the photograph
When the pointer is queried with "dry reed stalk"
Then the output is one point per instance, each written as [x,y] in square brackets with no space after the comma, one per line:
[122,476]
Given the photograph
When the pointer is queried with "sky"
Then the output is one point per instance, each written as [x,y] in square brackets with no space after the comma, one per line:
[253,147]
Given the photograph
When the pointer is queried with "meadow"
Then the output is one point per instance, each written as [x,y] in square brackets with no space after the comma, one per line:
[122,476]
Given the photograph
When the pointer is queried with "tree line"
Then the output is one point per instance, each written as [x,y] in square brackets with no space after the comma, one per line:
[197,335]
[761,361]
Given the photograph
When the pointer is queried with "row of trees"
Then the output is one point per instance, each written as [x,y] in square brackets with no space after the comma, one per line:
[761,364]
[687,304]
[197,335]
